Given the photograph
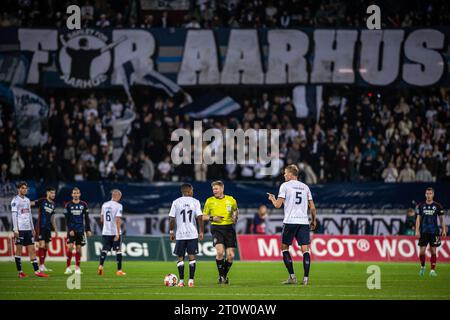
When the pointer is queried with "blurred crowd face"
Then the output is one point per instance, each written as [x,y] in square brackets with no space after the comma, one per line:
[262,211]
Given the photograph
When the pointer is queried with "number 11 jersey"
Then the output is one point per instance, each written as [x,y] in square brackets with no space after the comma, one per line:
[296,195]
[111,210]
[186,210]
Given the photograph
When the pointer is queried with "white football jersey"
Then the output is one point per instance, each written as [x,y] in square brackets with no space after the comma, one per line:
[21,214]
[111,210]
[296,195]
[186,210]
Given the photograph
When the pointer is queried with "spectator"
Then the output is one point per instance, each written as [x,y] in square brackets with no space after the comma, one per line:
[409,226]
[193,24]
[103,22]
[87,12]
[424,175]
[260,221]
[105,166]
[16,165]
[407,174]
[147,168]
[310,176]
[164,169]
[4,175]
[200,171]
[390,174]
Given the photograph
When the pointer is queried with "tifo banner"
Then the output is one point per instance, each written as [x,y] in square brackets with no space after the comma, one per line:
[30,111]
[89,58]
[56,251]
[340,248]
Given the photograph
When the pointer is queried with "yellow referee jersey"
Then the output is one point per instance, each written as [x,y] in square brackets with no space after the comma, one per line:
[221,207]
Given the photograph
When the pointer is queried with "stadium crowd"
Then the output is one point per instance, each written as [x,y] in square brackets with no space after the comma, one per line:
[359,137]
[225,13]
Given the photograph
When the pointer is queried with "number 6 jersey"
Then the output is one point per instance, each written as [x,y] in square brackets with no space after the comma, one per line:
[186,210]
[296,195]
[111,210]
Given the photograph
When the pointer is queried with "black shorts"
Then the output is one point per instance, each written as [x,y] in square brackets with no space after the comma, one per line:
[298,231]
[79,238]
[25,238]
[182,246]
[225,235]
[429,238]
[44,235]
[109,243]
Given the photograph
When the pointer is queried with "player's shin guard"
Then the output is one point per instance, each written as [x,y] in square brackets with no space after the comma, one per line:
[192,269]
[433,262]
[306,263]
[119,260]
[227,268]
[78,259]
[35,265]
[220,266]
[422,260]
[103,257]
[288,262]
[18,260]
[180,266]
[69,258]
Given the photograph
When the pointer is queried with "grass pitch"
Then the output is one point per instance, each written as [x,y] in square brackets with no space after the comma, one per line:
[248,280]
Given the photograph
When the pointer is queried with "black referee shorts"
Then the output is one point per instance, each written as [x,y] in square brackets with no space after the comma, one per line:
[224,234]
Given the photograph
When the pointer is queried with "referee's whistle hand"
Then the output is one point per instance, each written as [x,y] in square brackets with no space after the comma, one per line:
[217,219]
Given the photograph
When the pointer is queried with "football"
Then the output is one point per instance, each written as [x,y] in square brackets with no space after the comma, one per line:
[170,280]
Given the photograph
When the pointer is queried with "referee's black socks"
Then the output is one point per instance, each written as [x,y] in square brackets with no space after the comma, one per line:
[220,266]
[227,268]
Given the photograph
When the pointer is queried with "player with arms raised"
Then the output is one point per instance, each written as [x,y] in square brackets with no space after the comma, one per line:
[23,229]
[427,229]
[222,211]
[296,198]
[184,212]
[46,221]
[110,217]
[77,219]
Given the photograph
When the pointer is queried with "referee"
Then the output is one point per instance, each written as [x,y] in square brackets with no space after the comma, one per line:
[222,211]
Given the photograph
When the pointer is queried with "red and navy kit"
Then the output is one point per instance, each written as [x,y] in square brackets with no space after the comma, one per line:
[46,211]
[429,228]
[77,218]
